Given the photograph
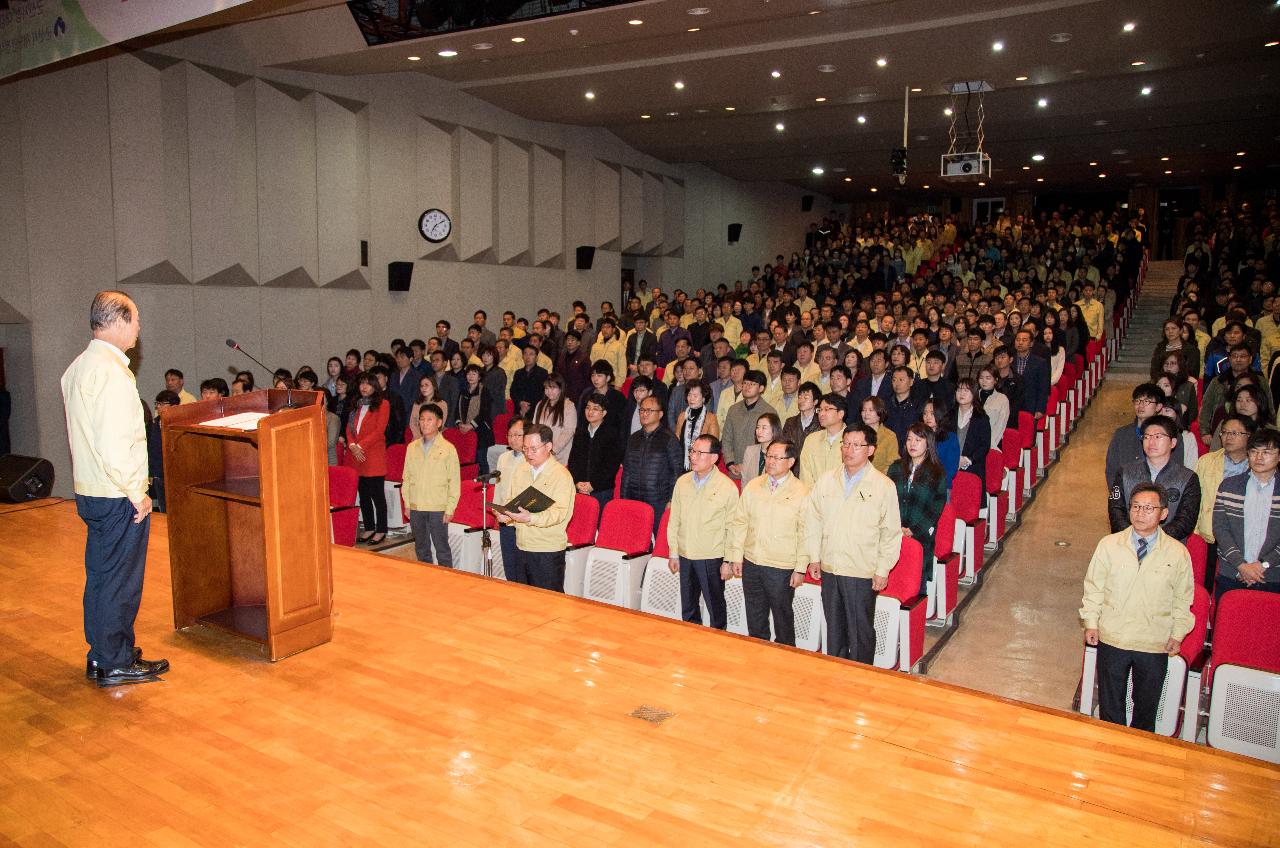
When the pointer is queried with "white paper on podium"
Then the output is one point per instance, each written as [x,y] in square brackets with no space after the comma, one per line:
[239,421]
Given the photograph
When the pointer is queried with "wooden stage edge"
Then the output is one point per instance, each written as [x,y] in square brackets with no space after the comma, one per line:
[455,710]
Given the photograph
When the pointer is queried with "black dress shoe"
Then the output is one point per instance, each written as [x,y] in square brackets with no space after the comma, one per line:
[93,670]
[138,671]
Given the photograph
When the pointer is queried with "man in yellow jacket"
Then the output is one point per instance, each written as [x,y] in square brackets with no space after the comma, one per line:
[853,533]
[109,475]
[702,506]
[766,544]
[431,487]
[541,537]
[1137,608]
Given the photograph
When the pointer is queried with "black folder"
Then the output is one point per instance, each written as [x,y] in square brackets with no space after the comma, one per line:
[530,499]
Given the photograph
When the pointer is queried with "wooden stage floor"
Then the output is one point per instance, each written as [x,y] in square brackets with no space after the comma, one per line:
[452,710]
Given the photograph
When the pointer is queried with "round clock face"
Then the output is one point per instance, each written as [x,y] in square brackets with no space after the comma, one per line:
[434,225]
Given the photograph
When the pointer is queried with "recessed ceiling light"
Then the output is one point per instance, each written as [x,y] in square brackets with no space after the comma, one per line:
[447,53]
[1272,44]
[635,22]
[1022,78]
[1060,37]
[517,39]
[1129,27]
[1026,167]
[779,126]
[1239,152]
[817,170]
[816,12]
[947,111]
[730,108]
[483,45]
[826,69]
[997,46]
[415,58]
[679,86]
[1039,179]
[1137,63]
[1164,158]
[590,95]
[672,114]
[926,185]
[881,62]
[862,119]
[775,74]
[702,110]
[981,183]
[917,90]
[699,10]
[1042,102]
[693,29]
[1102,176]
[819,100]
[645,117]
[848,179]
[1146,90]
[874,189]
[1168,172]
[1237,167]
[1037,157]
[1101,122]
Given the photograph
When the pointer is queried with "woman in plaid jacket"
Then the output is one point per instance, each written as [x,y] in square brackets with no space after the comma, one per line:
[922,491]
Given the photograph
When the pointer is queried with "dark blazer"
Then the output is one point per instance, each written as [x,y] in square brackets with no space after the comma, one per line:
[526,385]
[397,418]
[977,444]
[862,390]
[1035,385]
[652,464]
[1125,447]
[615,406]
[648,344]
[792,431]
[1179,481]
[900,415]
[595,459]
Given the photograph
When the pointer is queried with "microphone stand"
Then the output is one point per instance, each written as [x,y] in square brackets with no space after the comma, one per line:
[289,404]
[486,542]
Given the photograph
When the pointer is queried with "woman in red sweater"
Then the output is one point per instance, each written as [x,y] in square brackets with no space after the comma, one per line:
[367,454]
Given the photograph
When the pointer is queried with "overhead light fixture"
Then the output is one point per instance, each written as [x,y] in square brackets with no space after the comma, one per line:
[816,12]
[1037,157]
[848,179]
[1146,90]
[672,114]
[1042,102]
[981,183]
[1026,167]
[1137,63]
[779,126]
[1129,27]
[635,22]
[699,10]
[590,95]
[1237,167]
[517,39]
[693,29]
[483,45]
[881,62]
[1167,173]
[447,53]
[1272,44]
[997,46]
[926,185]
[819,100]
[1164,158]
[645,117]
[678,85]
[415,58]
[1093,164]
[775,74]
[917,90]
[862,119]
[1060,37]
[1239,152]
[947,111]
[1102,176]
[817,170]
[730,108]
[1022,78]
[1039,179]
[826,69]
[874,189]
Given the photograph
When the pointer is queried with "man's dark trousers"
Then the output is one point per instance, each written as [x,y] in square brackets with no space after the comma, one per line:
[765,590]
[1113,685]
[115,554]
[544,569]
[701,577]
[849,604]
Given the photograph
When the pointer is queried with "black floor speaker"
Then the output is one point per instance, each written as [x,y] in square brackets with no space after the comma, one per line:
[24,478]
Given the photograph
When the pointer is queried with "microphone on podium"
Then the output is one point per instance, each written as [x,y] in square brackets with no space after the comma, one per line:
[234,345]
[491,477]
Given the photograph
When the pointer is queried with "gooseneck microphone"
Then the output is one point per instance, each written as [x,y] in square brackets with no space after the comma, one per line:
[234,345]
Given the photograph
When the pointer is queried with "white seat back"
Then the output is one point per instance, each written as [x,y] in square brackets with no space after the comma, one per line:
[1244,712]
[807,609]
[613,578]
[660,594]
[887,628]
[1175,681]
[395,508]
[464,558]
[575,570]
[735,607]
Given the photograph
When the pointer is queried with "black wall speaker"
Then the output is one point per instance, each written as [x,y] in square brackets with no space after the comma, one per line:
[806,203]
[364,253]
[586,256]
[24,478]
[398,275]
[735,233]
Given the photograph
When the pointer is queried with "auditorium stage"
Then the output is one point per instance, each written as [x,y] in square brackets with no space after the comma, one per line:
[453,710]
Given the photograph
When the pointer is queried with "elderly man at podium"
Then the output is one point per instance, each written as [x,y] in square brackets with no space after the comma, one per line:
[109,467]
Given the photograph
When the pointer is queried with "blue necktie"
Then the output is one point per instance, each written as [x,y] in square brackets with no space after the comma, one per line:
[1142,548]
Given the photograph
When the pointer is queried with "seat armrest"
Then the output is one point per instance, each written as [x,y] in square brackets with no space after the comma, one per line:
[1197,664]
[912,603]
[334,509]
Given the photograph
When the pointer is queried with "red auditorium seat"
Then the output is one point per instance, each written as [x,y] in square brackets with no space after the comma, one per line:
[997,498]
[582,535]
[1243,675]
[1011,449]
[900,612]
[615,566]
[397,512]
[343,511]
[1028,460]
[944,588]
[500,425]
[465,443]
[967,496]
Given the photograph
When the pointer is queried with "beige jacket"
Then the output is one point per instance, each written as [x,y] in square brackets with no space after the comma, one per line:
[1138,607]
[855,536]
[767,526]
[105,425]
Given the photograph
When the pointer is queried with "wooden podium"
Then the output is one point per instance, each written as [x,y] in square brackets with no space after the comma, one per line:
[248,515]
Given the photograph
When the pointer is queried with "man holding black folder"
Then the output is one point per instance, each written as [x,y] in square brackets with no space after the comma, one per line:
[541,537]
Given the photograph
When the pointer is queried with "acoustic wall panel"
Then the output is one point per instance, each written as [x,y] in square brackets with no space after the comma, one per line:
[548,207]
[672,216]
[342,186]
[15,282]
[474,178]
[651,241]
[607,190]
[168,314]
[434,177]
[150,179]
[221,143]
[512,206]
[631,211]
[228,313]
[286,131]
[289,322]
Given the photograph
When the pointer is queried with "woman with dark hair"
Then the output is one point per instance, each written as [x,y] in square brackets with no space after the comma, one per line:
[1173,367]
[768,431]
[475,413]
[333,370]
[555,411]
[369,359]
[972,427]
[336,408]
[428,392]
[1057,353]
[922,491]
[945,443]
[351,367]
[366,442]
[1082,331]
[494,379]
[873,412]
[697,418]
[1173,342]
[1248,401]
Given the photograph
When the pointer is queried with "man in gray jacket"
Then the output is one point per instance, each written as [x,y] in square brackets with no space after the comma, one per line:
[1159,436]
[1246,521]
[740,422]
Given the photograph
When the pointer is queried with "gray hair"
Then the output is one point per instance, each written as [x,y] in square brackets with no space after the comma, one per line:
[108,308]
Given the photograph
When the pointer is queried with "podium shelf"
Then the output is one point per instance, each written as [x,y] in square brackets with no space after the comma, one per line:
[246,490]
[249,621]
